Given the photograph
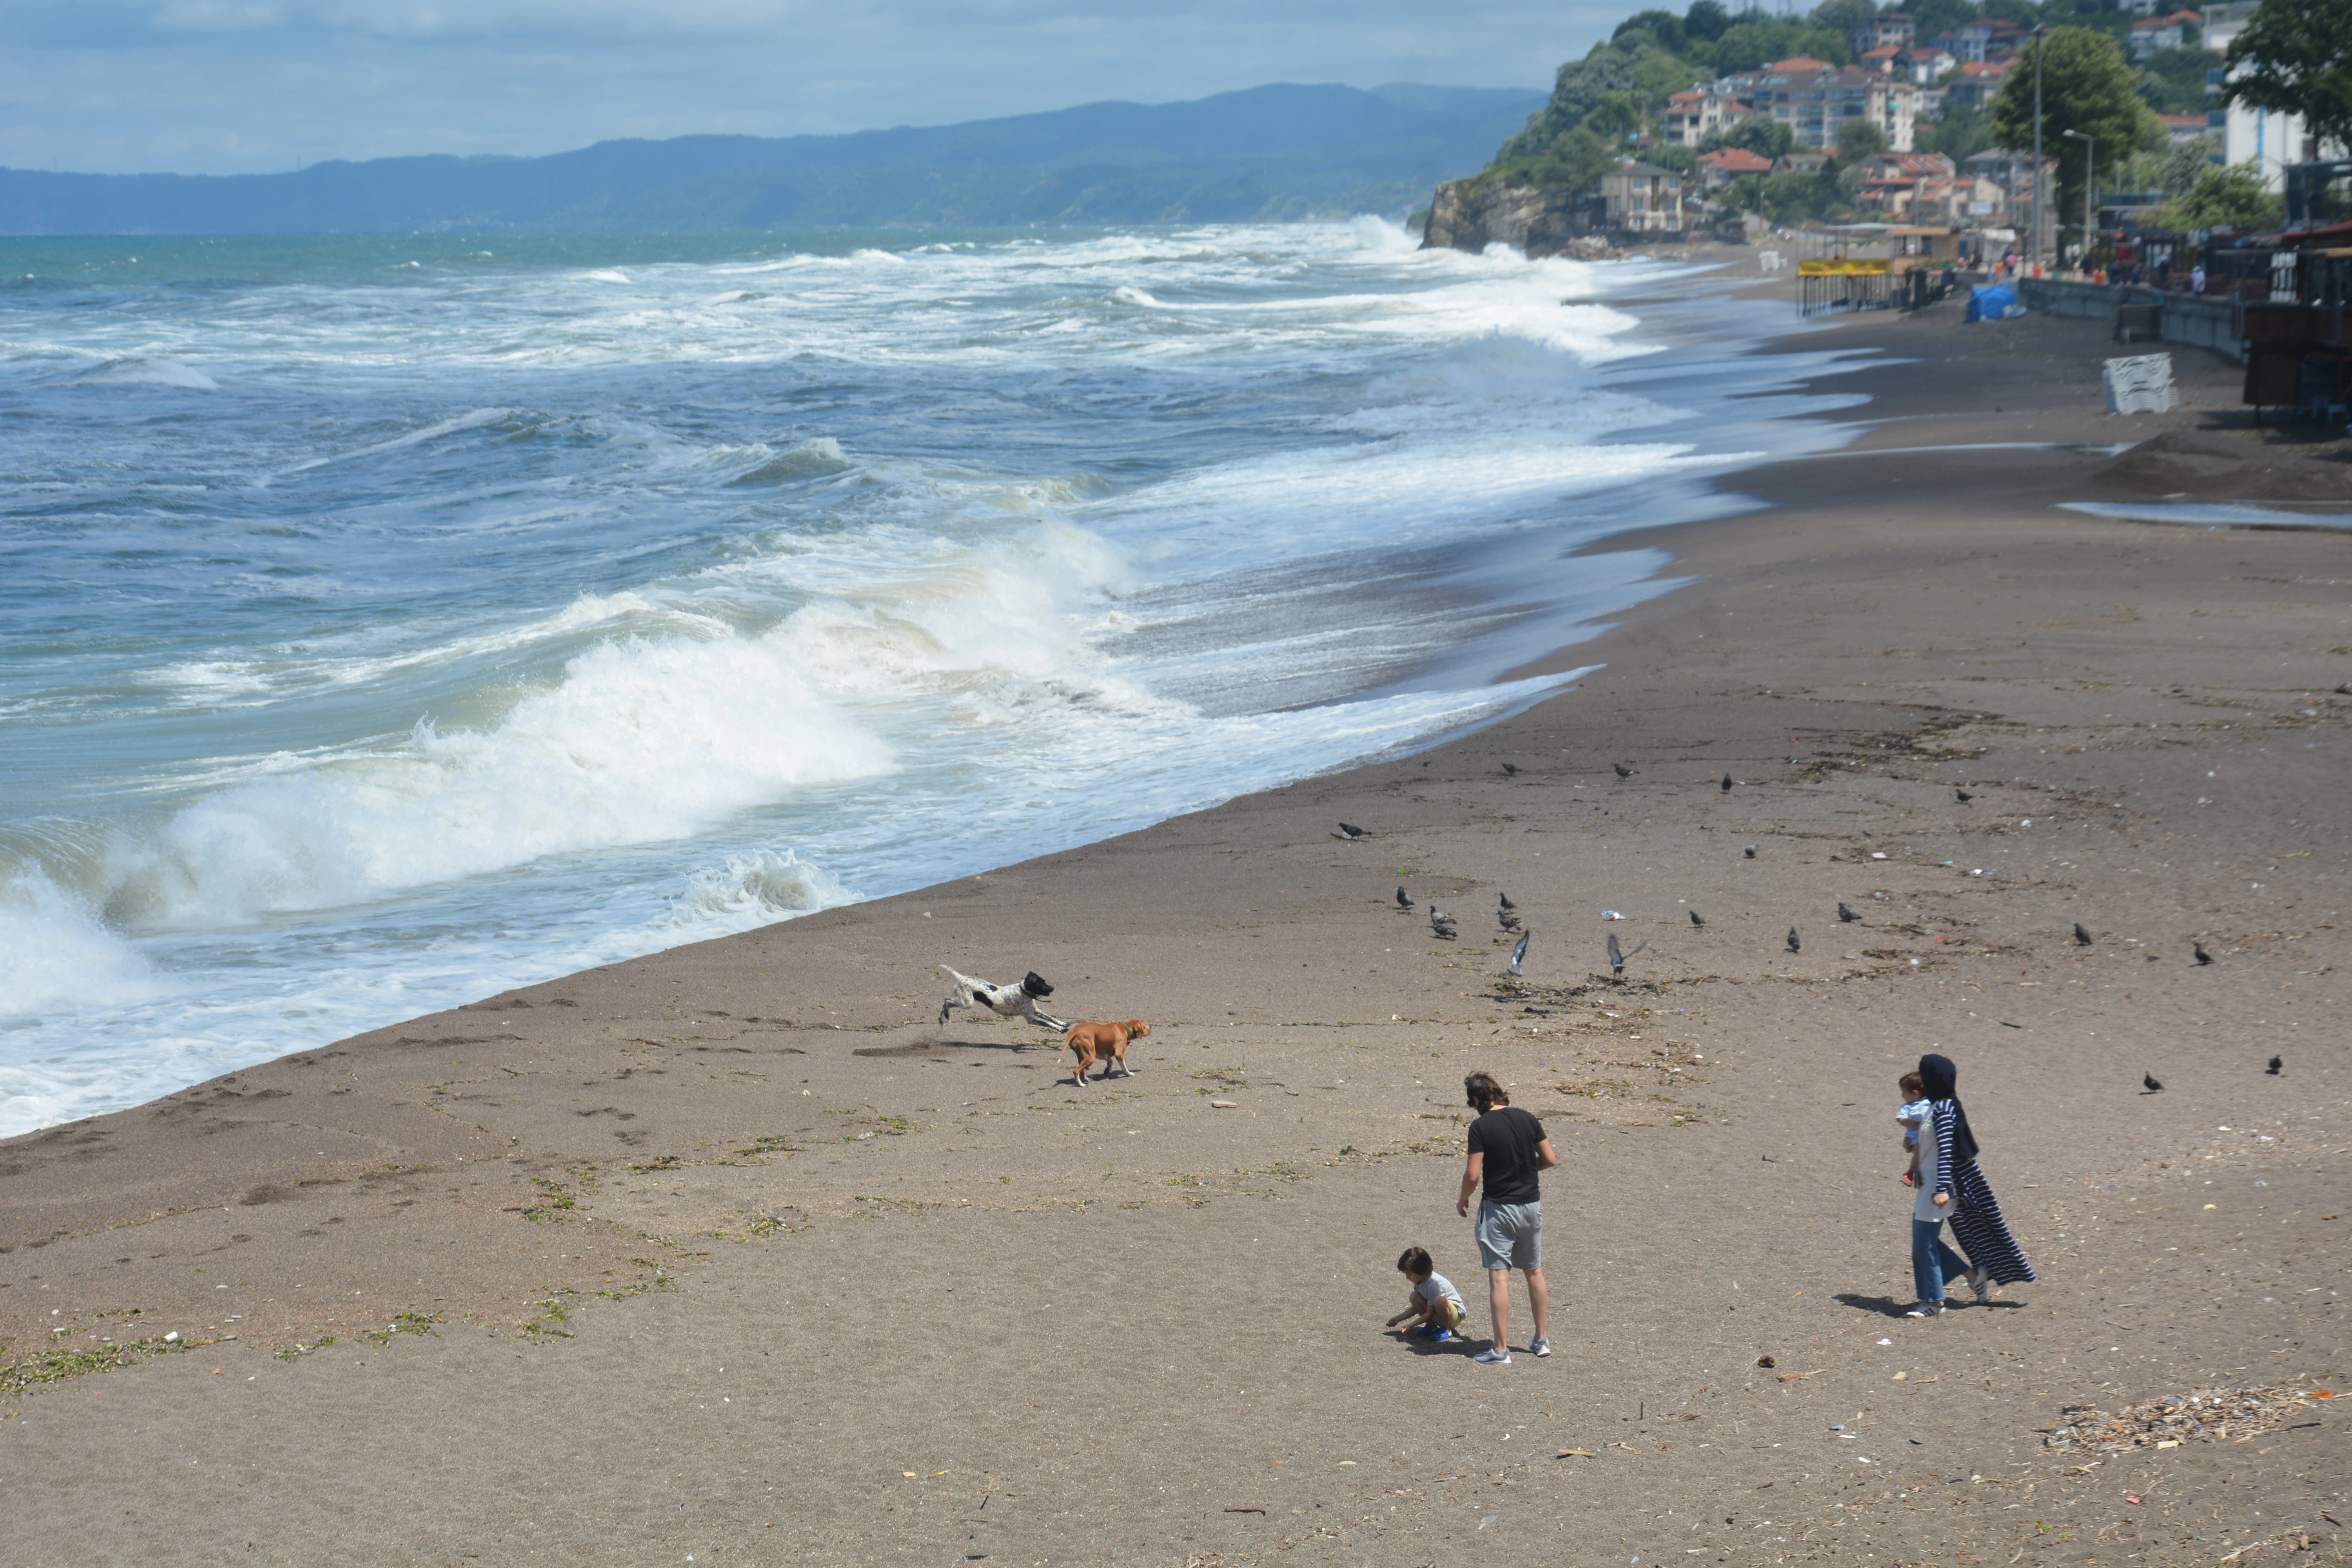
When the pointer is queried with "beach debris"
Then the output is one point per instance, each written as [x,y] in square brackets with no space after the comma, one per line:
[1245,1510]
[1767,1362]
[2081,934]
[1750,852]
[1350,832]
[1794,945]
[1005,1001]
[1623,771]
[1520,951]
[2148,1079]
[1695,919]
[172,1338]
[1962,795]
[1576,1453]
[1441,924]
[2202,1415]
[1726,783]
[1846,916]
[1616,955]
[2278,1066]
[1878,854]
[2198,948]
[1510,770]
[1611,915]
[1225,1105]
[1405,899]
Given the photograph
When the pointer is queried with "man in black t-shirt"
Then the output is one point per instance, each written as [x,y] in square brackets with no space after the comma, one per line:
[1507,1150]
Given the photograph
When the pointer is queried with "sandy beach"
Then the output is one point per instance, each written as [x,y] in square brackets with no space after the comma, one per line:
[724,1254]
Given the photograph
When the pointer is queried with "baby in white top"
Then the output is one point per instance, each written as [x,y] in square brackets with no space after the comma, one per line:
[1912,1118]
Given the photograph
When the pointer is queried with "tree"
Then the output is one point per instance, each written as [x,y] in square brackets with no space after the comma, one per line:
[1576,92]
[1663,26]
[1841,16]
[2173,81]
[2085,86]
[2234,197]
[1859,138]
[1706,20]
[1960,134]
[2295,58]
[2180,167]
[1759,133]
[1575,163]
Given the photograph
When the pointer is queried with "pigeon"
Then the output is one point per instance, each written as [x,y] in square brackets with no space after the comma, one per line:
[2150,1079]
[1726,783]
[1750,852]
[1794,945]
[2202,956]
[1441,925]
[1405,899]
[1622,770]
[1505,899]
[1846,916]
[1508,918]
[1695,919]
[1520,951]
[1616,956]
[1964,796]
[1350,832]
[2278,1066]
[1510,770]
[2081,935]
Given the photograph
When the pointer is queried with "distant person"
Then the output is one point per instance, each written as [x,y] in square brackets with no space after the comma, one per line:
[1435,1304]
[2196,278]
[1507,1151]
[1953,1187]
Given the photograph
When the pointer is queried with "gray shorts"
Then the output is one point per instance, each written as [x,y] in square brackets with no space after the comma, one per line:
[1510,1236]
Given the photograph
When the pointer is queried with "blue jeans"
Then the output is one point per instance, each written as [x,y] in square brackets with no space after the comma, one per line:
[1932,1262]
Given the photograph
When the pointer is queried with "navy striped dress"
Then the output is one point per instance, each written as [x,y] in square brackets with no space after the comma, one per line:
[1976,1224]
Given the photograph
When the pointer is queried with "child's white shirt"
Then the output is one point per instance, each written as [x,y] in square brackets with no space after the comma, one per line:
[1914,1117]
[1435,1288]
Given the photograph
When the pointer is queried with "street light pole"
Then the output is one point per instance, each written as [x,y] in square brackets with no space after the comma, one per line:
[2038,33]
[2090,189]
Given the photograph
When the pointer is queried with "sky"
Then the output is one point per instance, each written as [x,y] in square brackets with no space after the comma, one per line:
[247,86]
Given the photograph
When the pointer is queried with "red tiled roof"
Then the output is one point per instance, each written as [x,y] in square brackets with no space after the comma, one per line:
[1737,160]
[1799,63]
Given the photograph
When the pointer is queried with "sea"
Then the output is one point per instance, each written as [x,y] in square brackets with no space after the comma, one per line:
[388,621]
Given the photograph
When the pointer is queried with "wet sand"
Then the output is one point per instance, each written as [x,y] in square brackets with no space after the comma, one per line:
[726,1252]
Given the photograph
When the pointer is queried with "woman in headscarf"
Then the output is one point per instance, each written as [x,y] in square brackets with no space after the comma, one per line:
[1958,1192]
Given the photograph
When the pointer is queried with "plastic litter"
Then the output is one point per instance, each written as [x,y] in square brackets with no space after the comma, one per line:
[1995,303]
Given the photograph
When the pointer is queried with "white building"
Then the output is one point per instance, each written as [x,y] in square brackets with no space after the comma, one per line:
[2260,136]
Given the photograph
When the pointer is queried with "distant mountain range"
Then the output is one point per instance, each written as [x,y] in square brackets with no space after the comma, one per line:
[1268,154]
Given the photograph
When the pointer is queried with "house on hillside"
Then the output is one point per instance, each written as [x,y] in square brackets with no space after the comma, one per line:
[2179,128]
[1981,42]
[2162,33]
[1926,64]
[1816,105]
[1882,60]
[1976,85]
[1693,116]
[1641,198]
[1893,30]
[1719,168]
[1800,162]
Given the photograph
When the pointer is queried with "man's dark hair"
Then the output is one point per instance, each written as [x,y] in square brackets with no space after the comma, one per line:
[1485,1092]
[1416,1261]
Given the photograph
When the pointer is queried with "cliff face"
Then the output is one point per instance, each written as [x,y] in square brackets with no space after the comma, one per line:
[1535,221]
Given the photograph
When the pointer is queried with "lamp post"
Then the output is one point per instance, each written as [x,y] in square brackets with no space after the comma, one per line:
[2090,191]
[2038,33]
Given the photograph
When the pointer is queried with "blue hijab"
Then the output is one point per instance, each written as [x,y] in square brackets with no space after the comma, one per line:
[1941,1079]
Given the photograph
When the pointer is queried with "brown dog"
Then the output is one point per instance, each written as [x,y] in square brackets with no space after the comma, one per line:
[1105,1043]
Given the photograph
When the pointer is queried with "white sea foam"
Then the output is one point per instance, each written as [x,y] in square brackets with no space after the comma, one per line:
[137,369]
[55,953]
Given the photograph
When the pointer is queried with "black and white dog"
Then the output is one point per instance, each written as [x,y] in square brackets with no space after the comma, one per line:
[1005,1001]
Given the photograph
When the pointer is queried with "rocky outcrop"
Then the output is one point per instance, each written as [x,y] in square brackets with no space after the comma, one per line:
[1467,215]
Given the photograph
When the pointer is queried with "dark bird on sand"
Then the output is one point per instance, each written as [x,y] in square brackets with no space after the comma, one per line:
[1350,832]
[1794,945]
[1505,900]
[2202,956]
[1750,852]
[1510,770]
[2148,1079]
[1520,951]
[1964,796]
[1726,783]
[1508,918]
[1846,916]
[1695,919]
[1440,924]
[1622,770]
[2081,934]
[1405,899]
[2278,1066]
[1616,956]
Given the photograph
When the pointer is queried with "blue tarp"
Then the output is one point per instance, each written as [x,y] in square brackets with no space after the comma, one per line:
[1992,303]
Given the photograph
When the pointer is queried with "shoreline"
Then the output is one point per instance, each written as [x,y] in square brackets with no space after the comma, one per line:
[690,1134]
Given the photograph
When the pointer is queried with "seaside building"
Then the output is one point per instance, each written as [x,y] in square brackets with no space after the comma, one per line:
[2179,128]
[1817,104]
[2250,135]
[1893,30]
[1976,84]
[1691,116]
[1641,198]
[1981,43]
[1719,168]
[1926,64]
[2162,33]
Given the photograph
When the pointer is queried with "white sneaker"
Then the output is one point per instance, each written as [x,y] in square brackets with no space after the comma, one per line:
[1493,1356]
[1541,1347]
[1927,1310]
